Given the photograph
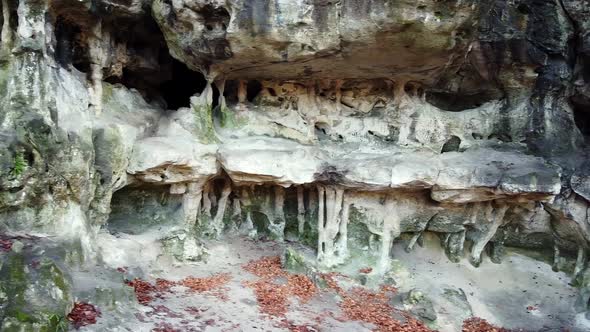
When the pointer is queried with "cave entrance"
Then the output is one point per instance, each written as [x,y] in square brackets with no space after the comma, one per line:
[71,48]
[253,90]
[457,102]
[141,61]
[182,85]
[136,210]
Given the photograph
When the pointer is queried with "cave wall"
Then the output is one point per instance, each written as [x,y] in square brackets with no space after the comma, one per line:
[298,119]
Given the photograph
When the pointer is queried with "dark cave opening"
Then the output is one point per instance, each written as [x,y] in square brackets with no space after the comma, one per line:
[230,92]
[582,119]
[140,60]
[253,90]
[71,48]
[182,85]
[322,131]
[451,145]
[13,14]
[456,102]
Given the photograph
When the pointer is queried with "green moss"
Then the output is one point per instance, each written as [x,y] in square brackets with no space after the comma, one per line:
[107,92]
[261,222]
[229,119]
[4,78]
[51,274]
[204,122]
[19,164]
[57,323]
[15,287]
[293,261]
[38,313]
[359,235]
[310,235]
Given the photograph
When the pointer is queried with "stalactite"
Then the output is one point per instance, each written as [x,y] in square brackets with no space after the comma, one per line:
[581,261]
[391,231]
[557,259]
[191,202]
[341,245]
[338,94]
[399,92]
[207,200]
[495,218]
[300,210]
[247,226]
[212,197]
[6,29]
[312,201]
[242,91]
[454,246]
[278,221]
[496,248]
[221,207]
[413,241]
[97,59]
[207,94]
[236,215]
[329,225]
[221,99]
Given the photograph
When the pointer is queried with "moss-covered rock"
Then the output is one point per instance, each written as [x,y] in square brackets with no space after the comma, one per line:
[36,294]
[204,124]
[184,246]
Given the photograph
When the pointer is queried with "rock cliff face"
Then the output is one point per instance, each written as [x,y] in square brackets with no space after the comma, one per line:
[346,126]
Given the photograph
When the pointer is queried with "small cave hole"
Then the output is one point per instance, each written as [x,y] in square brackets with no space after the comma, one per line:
[409,88]
[216,19]
[183,84]
[231,92]
[253,90]
[501,137]
[272,92]
[322,130]
[29,158]
[451,145]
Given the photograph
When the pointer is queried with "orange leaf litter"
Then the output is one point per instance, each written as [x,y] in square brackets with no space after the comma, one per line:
[273,298]
[146,292]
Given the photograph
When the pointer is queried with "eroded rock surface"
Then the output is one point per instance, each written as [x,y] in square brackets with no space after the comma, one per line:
[347,126]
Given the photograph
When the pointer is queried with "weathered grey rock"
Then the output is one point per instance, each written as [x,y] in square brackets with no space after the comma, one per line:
[300,38]
[420,305]
[35,289]
[339,124]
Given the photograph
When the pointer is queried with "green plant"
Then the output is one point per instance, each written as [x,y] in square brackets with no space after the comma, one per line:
[19,164]
[57,323]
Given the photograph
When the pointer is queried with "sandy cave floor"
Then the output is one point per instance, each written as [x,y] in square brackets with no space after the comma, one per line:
[520,293]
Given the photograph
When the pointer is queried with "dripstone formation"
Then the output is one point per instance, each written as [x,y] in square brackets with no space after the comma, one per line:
[343,125]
